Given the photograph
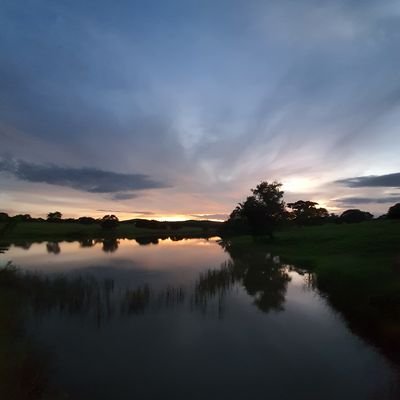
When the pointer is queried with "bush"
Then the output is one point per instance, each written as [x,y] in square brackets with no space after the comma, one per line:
[394,212]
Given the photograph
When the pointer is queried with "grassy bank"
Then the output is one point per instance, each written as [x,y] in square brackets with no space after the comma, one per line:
[58,231]
[357,267]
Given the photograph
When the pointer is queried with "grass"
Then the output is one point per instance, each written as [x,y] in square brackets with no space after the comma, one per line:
[58,231]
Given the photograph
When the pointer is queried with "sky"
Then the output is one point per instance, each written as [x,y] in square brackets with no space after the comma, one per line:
[175,109]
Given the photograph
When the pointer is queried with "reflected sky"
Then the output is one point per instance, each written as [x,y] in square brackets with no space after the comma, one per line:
[262,331]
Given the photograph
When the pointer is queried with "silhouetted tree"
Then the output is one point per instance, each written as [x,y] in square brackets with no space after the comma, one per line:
[394,212]
[306,212]
[4,216]
[86,220]
[355,215]
[54,216]
[109,222]
[261,212]
[22,218]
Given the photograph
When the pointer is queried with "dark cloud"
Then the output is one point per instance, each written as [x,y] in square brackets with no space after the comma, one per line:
[368,200]
[87,179]
[389,180]
[123,196]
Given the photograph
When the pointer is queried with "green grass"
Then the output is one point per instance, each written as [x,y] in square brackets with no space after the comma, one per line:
[366,252]
[58,231]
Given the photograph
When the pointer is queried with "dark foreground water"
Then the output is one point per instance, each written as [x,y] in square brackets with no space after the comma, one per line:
[188,319]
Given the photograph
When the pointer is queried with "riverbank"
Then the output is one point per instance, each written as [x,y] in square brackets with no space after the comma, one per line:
[357,267]
[41,231]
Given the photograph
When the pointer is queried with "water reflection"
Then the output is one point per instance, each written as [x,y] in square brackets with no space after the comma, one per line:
[53,247]
[143,241]
[23,245]
[263,277]
[110,245]
[86,295]
[86,243]
[4,247]
[154,306]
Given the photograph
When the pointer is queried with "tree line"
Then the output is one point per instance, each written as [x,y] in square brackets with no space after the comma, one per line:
[107,222]
[265,209]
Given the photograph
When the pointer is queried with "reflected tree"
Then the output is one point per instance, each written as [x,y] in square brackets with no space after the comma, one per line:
[262,276]
[110,245]
[86,243]
[53,247]
[23,245]
[143,241]
[4,247]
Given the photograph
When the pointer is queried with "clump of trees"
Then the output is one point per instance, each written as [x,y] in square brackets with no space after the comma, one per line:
[4,217]
[394,212]
[264,210]
[109,222]
[86,220]
[307,213]
[354,216]
[54,216]
[261,212]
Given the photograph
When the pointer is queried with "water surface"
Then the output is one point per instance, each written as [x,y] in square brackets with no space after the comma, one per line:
[189,319]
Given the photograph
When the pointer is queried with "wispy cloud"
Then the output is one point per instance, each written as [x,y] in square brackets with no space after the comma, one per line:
[86,179]
[128,211]
[123,196]
[389,180]
[367,200]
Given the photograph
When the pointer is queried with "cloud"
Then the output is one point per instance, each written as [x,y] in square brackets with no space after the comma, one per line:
[280,89]
[128,212]
[211,216]
[367,200]
[86,179]
[389,180]
[123,196]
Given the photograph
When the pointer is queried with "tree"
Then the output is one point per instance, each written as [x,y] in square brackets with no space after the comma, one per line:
[306,212]
[86,220]
[355,215]
[22,218]
[394,212]
[54,216]
[261,212]
[4,216]
[109,222]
